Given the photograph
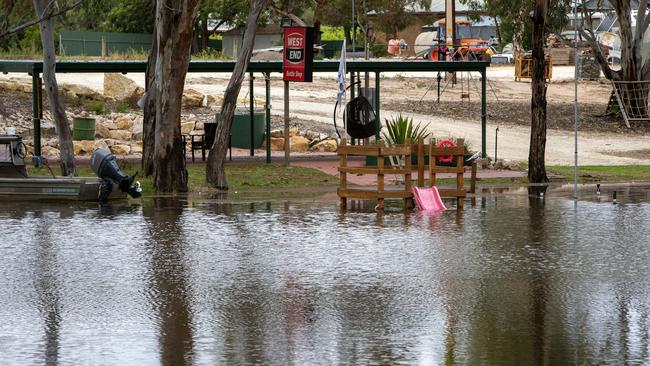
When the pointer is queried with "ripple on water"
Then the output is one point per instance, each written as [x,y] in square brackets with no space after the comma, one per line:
[510,281]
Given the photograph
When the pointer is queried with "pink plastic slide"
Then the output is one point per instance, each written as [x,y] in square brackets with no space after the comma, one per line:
[428,199]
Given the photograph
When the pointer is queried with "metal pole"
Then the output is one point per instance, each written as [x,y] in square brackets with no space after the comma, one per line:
[36,96]
[439,78]
[496,143]
[377,105]
[252,107]
[483,114]
[353,28]
[267,78]
[287,140]
[575,102]
[365,42]
[352,96]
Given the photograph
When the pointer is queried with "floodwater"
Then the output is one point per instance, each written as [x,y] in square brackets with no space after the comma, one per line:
[514,280]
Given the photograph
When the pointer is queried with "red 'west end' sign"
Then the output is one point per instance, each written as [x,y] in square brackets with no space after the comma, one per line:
[298,54]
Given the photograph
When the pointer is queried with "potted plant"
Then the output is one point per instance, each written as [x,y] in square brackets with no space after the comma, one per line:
[401,128]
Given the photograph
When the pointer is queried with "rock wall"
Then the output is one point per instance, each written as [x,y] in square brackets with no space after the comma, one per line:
[122,132]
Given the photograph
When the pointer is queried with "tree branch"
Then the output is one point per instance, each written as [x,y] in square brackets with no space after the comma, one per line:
[641,21]
[645,70]
[42,19]
[598,52]
[288,15]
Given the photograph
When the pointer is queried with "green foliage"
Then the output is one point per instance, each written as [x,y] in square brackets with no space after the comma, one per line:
[241,177]
[395,15]
[330,33]
[208,54]
[31,41]
[130,16]
[88,16]
[401,129]
[97,107]
[514,17]
[379,49]
[121,107]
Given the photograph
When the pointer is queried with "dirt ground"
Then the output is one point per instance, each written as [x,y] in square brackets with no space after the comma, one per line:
[602,139]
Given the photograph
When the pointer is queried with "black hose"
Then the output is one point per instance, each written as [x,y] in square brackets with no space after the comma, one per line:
[21,153]
[336,106]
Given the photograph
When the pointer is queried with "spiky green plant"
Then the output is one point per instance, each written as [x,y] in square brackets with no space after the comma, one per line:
[400,128]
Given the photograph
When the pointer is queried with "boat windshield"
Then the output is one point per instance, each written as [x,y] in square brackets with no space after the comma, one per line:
[5,153]
[463,31]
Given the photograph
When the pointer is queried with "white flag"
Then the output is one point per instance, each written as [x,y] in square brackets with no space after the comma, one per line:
[341,78]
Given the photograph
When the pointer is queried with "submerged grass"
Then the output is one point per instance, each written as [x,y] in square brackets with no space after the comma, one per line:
[259,179]
[603,173]
[241,177]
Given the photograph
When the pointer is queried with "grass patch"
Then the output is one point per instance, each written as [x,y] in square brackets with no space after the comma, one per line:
[244,177]
[121,107]
[479,181]
[603,173]
[97,107]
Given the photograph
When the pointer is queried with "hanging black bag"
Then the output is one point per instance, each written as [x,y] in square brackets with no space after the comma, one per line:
[360,118]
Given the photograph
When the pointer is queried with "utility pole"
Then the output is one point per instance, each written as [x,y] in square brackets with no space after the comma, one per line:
[450,22]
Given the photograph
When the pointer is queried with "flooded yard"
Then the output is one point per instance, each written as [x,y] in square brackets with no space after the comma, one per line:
[513,280]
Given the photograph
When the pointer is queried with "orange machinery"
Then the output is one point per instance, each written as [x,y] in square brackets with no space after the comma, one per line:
[431,44]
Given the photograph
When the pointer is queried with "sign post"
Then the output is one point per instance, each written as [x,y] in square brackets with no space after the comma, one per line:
[298,54]
[296,66]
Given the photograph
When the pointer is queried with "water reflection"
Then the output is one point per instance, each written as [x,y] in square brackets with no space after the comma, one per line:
[47,288]
[170,290]
[518,279]
[538,279]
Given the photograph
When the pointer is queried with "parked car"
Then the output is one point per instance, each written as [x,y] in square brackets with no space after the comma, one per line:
[502,58]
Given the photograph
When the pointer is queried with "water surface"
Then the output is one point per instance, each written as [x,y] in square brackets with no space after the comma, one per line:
[514,280]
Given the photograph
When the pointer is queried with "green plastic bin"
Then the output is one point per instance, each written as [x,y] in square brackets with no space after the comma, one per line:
[241,129]
[83,128]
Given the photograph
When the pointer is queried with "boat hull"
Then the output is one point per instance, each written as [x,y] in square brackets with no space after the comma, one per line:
[57,189]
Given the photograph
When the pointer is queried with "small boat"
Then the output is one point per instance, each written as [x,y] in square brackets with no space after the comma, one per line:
[15,184]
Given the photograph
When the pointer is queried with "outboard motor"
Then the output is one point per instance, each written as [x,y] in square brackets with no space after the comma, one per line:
[105,166]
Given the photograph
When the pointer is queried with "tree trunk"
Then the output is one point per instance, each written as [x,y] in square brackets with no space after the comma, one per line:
[518,30]
[317,21]
[631,62]
[215,171]
[175,23]
[348,35]
[149,120]
[66,159]
[497,28]
[632,66]
[196,33]
[205,35]
[536,158]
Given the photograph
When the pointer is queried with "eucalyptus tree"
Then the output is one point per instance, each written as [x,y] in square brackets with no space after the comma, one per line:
[64,134]
[537,149]
[174,24]
[215,171]
[633,67]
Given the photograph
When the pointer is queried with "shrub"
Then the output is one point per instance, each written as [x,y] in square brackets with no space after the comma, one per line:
[379,50]
[400,129]
[97,107]
[121,107]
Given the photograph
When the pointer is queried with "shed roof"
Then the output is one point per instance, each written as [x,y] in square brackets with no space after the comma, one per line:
[269,29]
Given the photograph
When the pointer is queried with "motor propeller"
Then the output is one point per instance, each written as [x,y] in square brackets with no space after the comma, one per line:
[105,166]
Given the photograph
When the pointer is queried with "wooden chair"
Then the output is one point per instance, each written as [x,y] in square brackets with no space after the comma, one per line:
[204,142]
